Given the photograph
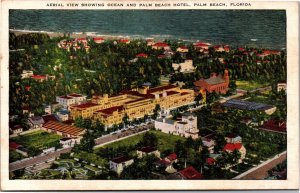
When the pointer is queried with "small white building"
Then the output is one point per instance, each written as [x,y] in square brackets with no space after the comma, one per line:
[15,130]
[281,86]
[63,115]
[26,74]
[186,127]
[209,143]
[36,122]
[186,66]
[119,164]
[141,152]
[67,142]
[232,138]
[67,100]
[47,109]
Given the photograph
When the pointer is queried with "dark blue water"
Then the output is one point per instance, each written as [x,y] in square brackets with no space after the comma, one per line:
[234,27]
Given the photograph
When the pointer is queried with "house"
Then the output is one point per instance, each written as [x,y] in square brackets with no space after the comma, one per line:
[186,127]
[125,41]
[182,49]
[165,165]
[275,125]
[63,115]
[67,142]
[16,129]
[218,84]
[51,117]
[141,152]
[268,53]
[142,55]
[64,130]
[201,46]
[190,173]
[186,66]
[39,78]
[160,46]
[172,158]
[281,86]
[150,42]
[14,145]
[26,74]
[230,147]
[209,143]
[210,161]
[120,163]
[247,105]
[221,48]
[98,40]
[36,122]
[233,138]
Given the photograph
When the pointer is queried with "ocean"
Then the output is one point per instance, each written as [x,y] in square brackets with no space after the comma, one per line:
[258,28]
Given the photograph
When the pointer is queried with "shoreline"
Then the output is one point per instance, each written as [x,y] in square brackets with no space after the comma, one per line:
[130,37]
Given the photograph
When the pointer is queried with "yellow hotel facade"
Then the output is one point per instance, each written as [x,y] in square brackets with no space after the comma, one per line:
[135,103]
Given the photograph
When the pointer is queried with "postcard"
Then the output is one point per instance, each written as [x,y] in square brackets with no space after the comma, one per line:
[149,95]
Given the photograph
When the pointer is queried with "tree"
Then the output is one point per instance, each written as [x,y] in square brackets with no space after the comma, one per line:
[149,139]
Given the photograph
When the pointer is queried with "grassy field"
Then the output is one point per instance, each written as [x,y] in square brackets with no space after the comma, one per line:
[37,140]
[14,156]
[247,85]
[165,141]
[91,158]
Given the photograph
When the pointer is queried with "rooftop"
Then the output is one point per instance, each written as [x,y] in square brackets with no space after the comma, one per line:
[64,128]
[121,159]
[246,105]
[232,146]
[85,105]
[147,149]
[190,173]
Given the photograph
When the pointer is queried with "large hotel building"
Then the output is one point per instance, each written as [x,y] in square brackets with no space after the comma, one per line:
[135,103]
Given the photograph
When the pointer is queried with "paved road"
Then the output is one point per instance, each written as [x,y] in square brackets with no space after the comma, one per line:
[126,133]
[262,172]
[35,160]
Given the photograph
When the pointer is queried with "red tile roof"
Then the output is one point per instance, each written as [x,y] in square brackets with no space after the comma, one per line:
[147,149]
[64,128]
[183,47]
[27,88]
[201,44]
[190,173]
[75,95]
[123,40]
[161,44]
[172,156]
[14,145]
[142,55]
[210,161]
[49,118]
[65,97]
[38,77]
[275,125]
[97,39]
[110,110]
[232,146]
[85,105]
[161,88]
[120,159]
[241,49]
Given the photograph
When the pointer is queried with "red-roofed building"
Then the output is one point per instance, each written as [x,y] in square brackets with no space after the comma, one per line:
[275,125]
[141,152]
[241,49]
[190,173]
[126,41]
[98,40]
[39,78]
[120,163]
[27,88]
[14,145]
[150,42]
[172,158]
[16,129]
[64,130]
[142,55]
[218,84]
[202,45]
[230,147]
[160,45]
[182,49]
[210,161]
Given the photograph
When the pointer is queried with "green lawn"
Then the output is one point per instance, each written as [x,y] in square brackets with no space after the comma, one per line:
[248,85]
[165,141]
[37,140]
[90,157]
